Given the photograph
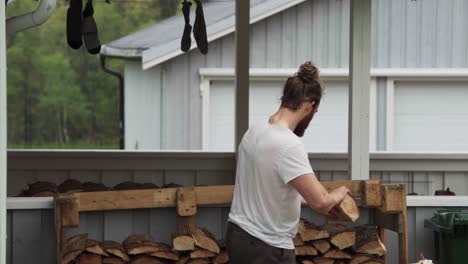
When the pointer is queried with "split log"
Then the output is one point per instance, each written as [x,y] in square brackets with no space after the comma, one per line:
[337,254]
[92,246]
[172,185]
[344,239]
[70,186]
[113,260]
[373,261]
[74,247]
[127,185]
[348,210]
[201,253]
[307,261]
[323,260]
[94,187]
[205,240]
[222,244]
[183,242]
[139,244]
[321,245]
[306,251]
[148,185]
[183,260]
[368,241]
[222,258]
[165,252]
[199,261]
[88,259]
[145,259]
[309,232]
[115,249]
[360,258]
[298,241]
[41,189]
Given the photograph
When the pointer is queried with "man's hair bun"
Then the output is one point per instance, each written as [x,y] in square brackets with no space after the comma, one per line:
[308,72]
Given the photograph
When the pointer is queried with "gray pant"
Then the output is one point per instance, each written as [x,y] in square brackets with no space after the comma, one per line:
[244,248]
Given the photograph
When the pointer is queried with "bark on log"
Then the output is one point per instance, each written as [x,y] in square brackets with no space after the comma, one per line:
[165,252]
[309,232]
[115,249]
[183,260]
[113,260]
[374,261]
[321,245]
[92,246]
[199,261]
[70,186]
[88,259]
[323,260]
[74,247]
[41,189]
[368,241]
[205,240]
[145,259]
[139,244]
[94,187]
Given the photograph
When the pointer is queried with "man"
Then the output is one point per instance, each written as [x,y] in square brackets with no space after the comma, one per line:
[274,174]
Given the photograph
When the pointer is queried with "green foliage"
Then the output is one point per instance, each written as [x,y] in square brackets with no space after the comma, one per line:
[59,97]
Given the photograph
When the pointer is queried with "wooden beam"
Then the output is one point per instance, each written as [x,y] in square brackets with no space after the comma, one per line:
[393,198]
[242,69]
[359,92]
[186,201]
[403,234]
[3,137]
[371,193]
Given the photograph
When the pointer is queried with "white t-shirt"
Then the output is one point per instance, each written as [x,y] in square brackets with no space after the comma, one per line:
[264,204]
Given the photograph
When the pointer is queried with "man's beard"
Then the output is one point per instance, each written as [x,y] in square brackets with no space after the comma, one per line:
[302,126]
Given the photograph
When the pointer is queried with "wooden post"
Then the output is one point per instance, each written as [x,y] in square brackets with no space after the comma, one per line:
[186,210]
[403,234]
[3,137]
[242,70]
[359,92]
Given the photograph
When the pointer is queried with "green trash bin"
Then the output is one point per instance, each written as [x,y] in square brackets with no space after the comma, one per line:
[450,236]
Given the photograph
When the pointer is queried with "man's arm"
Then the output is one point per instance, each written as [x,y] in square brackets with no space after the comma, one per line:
[316,196]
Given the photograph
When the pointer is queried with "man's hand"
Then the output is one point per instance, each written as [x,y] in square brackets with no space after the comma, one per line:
[316,196]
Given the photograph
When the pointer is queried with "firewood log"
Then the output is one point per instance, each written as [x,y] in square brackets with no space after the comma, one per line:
[86,258]
[115,249]
[41,189]
[139,244]
[183,242]
[183,260]
[127,185]
[323,260]
[307,261]
[199,261]
[222,244]
[368,241]
[309,232]
[321,245]
[337,254]
[360,258]
[201,253]
[70,186]
[171,185]
[298,240]
[74,247]
[373,261]
[347,210]
[222,258]
[113,260]
[92,246]
[148,185]
[306,250]
[344,239]
[94,187]
[145,259]
[205,240]
[165,252]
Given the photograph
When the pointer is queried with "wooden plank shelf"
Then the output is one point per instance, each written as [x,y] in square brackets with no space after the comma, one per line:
[387,203]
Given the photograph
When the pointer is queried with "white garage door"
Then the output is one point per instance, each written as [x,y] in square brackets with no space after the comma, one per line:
[431,116]
[327,132]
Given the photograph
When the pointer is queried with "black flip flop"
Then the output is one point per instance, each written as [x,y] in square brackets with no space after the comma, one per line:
[74,24]
[199,29]
[186,40]
[90,31]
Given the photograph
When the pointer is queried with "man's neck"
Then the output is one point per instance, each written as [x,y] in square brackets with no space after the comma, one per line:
[285,117]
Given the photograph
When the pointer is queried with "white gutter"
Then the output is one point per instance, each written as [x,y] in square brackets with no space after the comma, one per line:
[3,138]
[33,19]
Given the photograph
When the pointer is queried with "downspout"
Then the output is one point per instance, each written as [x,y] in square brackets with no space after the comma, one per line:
[33,19]
[121,96]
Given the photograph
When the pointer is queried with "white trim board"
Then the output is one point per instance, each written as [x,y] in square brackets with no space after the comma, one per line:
[394,73]
[35,203]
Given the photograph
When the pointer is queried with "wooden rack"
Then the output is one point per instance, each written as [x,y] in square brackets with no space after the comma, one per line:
[387,204]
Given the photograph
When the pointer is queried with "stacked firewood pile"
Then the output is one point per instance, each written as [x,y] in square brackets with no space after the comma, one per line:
[337,244]
[44,189]
[200,248]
